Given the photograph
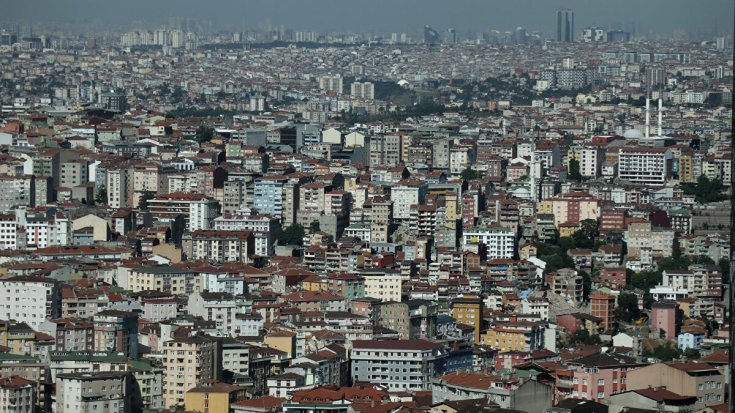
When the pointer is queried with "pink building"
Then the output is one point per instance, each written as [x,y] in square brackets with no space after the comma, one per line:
[664,317]
[598,376]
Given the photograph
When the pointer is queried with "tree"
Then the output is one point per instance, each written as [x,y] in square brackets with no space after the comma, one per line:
[705,190]
[292,235]
[725,268]
[665,352]
[627,309]
[574,172]
[469,174]
[692,354]
[101,197]
[144,198]
[676,249]
[204,133]
[586,285]
[314,226]
[583,336]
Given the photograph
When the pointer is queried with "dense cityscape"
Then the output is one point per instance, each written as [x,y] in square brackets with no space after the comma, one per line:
[432,220]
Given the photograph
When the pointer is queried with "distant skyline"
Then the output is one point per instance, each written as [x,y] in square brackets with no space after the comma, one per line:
[665,17]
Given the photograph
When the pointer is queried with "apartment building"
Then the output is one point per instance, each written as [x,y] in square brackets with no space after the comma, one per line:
[499,242]
[117,187]
[149,177]
[381,215]
[189,362]
[116,331]
[690,378]
[18,191]
[603,306]
[103,392]
[30,299]
[269,193]
[219,246]
[468,309]
[570,208]
[597,377]
[701,281]
[262,226]
[404,365]
[644,165]
[385,286]
[197,210]
[17,395]
[177,281]
[214,306]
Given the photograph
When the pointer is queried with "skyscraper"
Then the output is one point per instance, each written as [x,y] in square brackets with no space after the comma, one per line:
[430,35]
[565,25]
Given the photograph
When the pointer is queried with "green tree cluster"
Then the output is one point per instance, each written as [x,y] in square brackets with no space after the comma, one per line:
[663,352]
[204,134]
[144,198]
[705,190]
[574,173]
[627,309]
[469,174]
[291,235]
[583,336]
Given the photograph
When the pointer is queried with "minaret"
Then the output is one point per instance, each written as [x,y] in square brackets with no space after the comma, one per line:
[532,172]
[660,117]
[648,116]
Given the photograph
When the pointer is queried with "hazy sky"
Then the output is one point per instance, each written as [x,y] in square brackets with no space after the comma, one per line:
[659,16]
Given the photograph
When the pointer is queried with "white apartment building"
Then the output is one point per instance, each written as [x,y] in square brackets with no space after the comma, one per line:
[116,186]
[500,241]
[383,286]
[218,307]
[29,299]
[198,210]
[404,195]
[460,157]
[10,236]
[399,365]
[590,162]
[644,165]
[263,226]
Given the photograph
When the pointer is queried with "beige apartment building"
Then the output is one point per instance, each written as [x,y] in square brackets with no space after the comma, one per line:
[189,362]
[686,379]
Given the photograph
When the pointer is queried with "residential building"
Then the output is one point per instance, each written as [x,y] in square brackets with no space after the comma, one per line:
[687,379]
[406,365]
[103,392]
[189,362]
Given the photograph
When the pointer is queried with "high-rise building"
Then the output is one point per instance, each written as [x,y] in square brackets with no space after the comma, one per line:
[363,90]
[565,25]
[188,363]
[603,306]
[468,310]
[593,34]
[451,36]
[430,35]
